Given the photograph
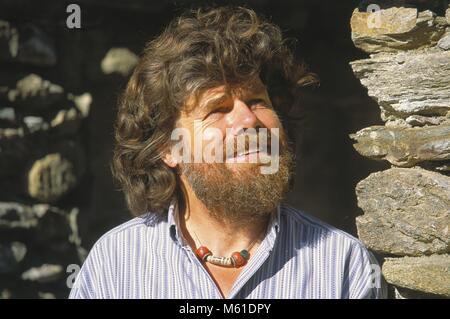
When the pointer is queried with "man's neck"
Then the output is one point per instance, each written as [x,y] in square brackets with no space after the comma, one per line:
[221,236]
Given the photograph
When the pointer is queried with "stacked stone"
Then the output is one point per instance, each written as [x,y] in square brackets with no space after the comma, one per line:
[41,161]
[407,207]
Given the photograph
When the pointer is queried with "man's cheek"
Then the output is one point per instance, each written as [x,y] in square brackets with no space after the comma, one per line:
[269,118]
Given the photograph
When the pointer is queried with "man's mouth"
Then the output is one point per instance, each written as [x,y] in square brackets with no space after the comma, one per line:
[252,156]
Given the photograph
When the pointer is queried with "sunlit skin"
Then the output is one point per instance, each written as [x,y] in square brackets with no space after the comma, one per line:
[244,107]
[240,109]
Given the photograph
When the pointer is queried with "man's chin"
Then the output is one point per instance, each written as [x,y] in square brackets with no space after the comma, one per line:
[238,190]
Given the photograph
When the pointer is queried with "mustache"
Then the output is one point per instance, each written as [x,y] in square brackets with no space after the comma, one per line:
[259,141]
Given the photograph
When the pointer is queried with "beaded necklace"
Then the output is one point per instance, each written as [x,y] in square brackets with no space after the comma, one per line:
[236,260]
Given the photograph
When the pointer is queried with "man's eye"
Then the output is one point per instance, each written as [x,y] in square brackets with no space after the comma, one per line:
[253,103]
[219,110]
[222,110]
[257,102]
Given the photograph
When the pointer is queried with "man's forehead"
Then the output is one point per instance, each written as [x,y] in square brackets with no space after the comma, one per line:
[220,93]
[253,85]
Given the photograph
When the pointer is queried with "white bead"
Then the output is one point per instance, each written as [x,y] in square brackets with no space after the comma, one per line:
[221,261]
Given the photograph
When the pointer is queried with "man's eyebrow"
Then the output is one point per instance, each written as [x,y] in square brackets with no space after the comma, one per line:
[219,98]
[214,101]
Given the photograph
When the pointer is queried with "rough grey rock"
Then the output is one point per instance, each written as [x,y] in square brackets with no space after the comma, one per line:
[82,103]
[51,177]
[46,295]
[444,42]
[420,120]
[7,115]
[429,274]
[44,274]
[65,122]
[42,220]
[35,123]
[119,60]
[43,227]
[33,92]
[18,144]
[42,240]
[447,15]
[68,121]
[402,146]
[10,133]
[406,212]
[17,216]
[407,83]
[5,294]
[395,29]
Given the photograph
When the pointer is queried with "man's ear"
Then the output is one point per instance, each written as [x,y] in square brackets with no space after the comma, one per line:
[169,160]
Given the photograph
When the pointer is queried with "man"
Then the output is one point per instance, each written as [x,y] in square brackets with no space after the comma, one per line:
[210,220]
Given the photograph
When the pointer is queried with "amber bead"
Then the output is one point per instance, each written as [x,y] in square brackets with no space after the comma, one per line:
[202,252]
[239,261]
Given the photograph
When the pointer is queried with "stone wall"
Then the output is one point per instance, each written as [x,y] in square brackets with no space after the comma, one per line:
[42,159]
[407,207]
[55,146]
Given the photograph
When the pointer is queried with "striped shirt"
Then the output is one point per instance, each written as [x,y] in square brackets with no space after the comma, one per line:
[299,257]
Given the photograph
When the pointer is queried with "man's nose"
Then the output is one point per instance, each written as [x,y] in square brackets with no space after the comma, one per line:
[242,117]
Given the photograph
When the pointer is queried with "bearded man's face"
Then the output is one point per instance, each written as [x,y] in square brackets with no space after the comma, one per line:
[236,158]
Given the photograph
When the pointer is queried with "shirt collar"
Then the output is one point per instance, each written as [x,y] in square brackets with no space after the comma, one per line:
[174,225]
[173,222]
[272,230]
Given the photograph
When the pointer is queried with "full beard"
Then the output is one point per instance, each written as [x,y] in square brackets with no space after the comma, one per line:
[241,192]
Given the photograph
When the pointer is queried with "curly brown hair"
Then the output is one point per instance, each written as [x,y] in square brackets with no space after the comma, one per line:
[201,49]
